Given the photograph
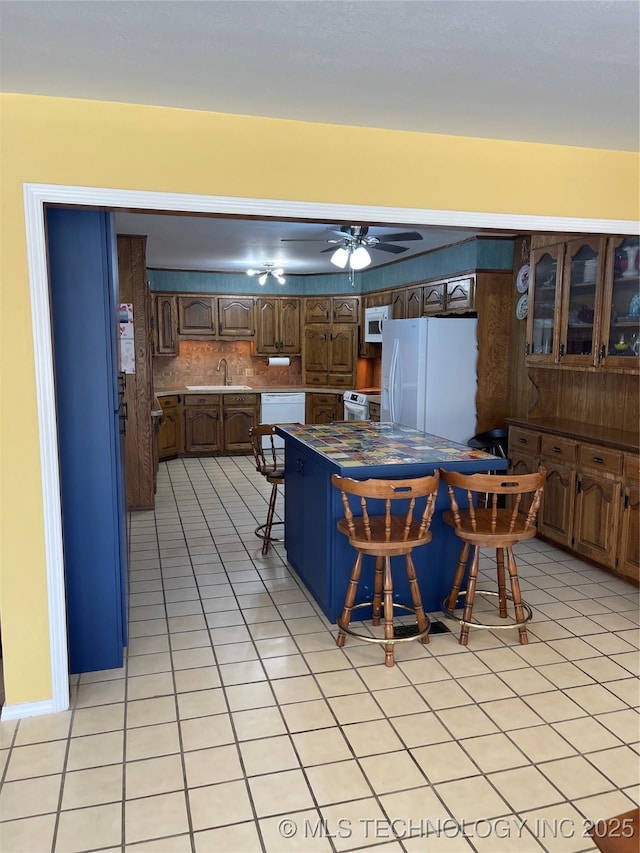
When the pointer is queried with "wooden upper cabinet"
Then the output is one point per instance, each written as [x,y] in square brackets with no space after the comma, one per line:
[267,336]
[413,302]
[316,350]
[460,294]
[165,339]
[342,350]
[584,305]
[345,309]
[317,309]
[581,301]
[278,325]
[197,316]
[399,304]
[290,340]
[235,316]
[620,335]
[433,298]
[543,312]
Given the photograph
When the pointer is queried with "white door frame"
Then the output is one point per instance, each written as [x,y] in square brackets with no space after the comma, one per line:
[36,196]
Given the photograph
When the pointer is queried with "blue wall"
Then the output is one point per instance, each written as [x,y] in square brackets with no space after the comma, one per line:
[460,258]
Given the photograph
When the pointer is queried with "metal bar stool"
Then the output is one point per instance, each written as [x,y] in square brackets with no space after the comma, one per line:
[264,453]
[384,536]
[491,526]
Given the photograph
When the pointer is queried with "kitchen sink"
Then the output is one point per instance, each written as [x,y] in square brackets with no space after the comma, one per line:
[218,387]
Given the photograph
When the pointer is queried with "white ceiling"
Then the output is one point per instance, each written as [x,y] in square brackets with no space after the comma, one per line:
[556,71]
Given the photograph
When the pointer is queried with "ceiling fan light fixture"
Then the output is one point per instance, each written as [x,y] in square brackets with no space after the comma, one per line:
[359,259]
[253,272]
[340,257]
[263,277]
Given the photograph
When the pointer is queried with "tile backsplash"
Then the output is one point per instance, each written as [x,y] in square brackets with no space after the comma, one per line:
[197,361]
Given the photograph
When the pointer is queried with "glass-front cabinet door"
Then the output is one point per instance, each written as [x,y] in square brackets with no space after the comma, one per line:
[543,313]
[621,310]
[581,301]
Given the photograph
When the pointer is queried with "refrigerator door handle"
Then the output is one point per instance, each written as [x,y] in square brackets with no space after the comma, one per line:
[393,379]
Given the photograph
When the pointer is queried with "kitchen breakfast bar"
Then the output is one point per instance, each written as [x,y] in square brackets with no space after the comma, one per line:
[318,552]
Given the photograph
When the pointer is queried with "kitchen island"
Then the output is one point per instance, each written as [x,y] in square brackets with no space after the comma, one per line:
[322,556]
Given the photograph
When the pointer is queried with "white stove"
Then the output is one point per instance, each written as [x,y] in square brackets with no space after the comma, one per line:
[356,403]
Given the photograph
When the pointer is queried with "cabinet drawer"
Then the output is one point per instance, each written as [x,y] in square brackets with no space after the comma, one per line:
[241,400]
[631,468]
[597,458]
[519,438]
[316,379]
[561,449]
[170,402]
[341,380]
[202,399]
[324,399]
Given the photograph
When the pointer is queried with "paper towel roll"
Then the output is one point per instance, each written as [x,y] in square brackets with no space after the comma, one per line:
[282,361]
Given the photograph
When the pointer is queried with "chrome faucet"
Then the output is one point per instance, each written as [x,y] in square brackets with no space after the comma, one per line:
[223,363]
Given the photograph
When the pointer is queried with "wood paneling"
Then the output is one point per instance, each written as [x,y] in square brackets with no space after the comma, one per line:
[494,329]
[139,439]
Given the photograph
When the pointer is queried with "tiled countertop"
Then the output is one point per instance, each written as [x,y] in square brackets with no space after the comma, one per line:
[364,443]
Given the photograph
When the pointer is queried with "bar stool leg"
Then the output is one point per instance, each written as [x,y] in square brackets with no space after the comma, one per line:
[350,597]
[457,578]
[517,597]
[416,598]
[388,612]
[267,528]
[470,596]
[377,592]
[502,591]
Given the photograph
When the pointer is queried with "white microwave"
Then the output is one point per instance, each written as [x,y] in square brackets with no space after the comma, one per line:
[374,318]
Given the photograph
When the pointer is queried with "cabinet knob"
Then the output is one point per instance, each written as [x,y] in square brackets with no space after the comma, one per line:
[597,459]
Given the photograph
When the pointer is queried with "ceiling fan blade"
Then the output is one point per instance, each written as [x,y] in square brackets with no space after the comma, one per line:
[389,247]
[302,240]
[402,236]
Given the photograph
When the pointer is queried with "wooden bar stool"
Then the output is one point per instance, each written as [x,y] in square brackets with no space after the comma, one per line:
[384,536]
[264,453]
[491,526]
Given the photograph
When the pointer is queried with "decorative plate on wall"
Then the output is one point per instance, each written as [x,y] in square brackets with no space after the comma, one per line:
[522,281]
[522,307]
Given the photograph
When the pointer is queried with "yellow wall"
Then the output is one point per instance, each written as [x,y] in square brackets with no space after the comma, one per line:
[87,143]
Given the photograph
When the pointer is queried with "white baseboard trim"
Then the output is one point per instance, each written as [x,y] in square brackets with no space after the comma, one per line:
[27,709]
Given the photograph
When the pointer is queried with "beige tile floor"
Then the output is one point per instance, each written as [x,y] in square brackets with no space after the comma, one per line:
[237,721]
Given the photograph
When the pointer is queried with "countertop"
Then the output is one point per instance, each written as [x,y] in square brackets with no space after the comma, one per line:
[619,438]
[364,443]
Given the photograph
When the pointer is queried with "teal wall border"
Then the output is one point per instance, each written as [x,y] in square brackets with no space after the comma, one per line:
[474,254]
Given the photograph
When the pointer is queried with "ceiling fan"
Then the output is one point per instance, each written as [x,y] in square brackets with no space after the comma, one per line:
[354,241]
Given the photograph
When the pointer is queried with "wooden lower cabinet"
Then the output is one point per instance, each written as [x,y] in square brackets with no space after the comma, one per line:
[240,412]
[374,412]
[202,424]
[628,548]
[169,437]
[555,518]
[219,423]
[323,408]
[591,500]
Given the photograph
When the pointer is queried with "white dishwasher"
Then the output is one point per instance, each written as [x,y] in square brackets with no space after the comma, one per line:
[282,407]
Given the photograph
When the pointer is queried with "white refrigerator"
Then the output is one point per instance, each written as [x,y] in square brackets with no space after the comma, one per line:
[429,375]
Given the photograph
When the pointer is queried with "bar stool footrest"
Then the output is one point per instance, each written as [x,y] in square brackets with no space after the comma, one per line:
[398,630]
[475,624]
[260,532]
